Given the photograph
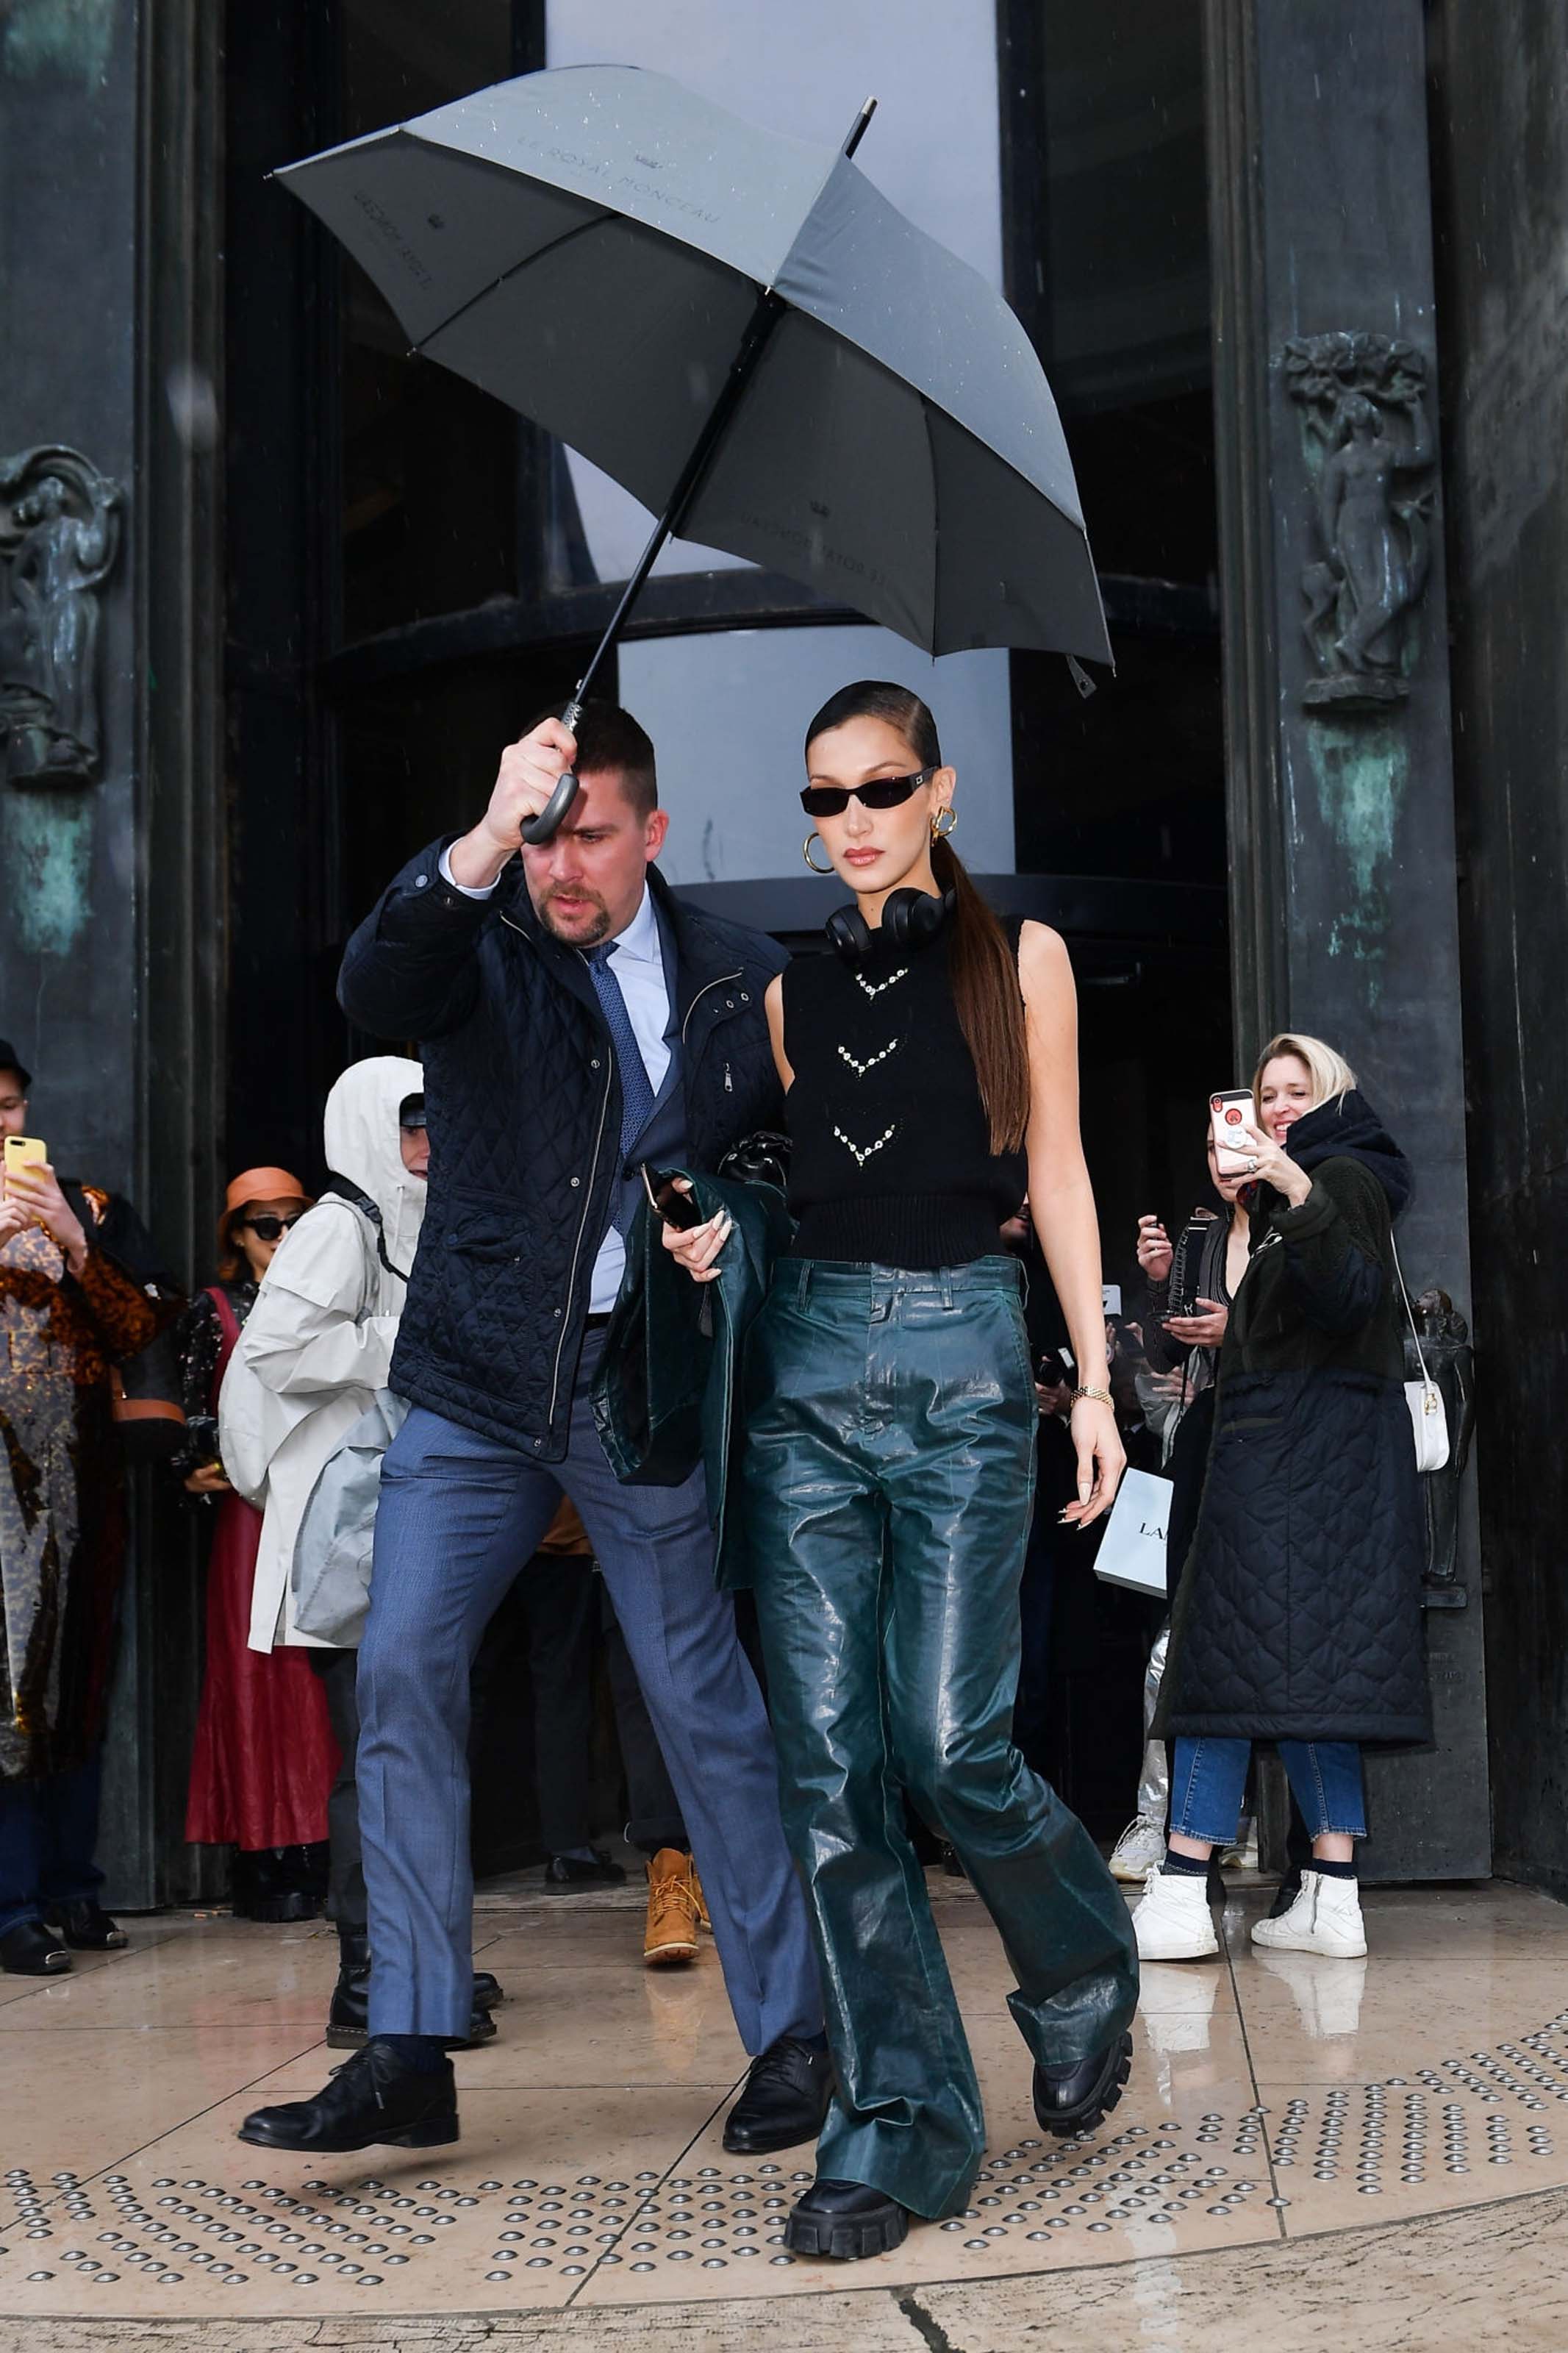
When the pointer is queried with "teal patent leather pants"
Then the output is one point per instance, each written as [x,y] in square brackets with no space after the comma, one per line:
[890,1472]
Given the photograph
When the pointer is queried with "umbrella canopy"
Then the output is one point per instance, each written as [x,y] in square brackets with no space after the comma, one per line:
[590,245]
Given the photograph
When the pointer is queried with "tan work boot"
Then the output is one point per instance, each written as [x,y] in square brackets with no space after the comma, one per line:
[670,1936]
[702,1920]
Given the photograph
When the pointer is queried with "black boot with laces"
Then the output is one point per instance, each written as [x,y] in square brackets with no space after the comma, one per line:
[375,2098]
[348,2019]
[784,2100]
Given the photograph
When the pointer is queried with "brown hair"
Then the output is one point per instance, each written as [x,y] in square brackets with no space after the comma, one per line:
[985,990]
[610,743]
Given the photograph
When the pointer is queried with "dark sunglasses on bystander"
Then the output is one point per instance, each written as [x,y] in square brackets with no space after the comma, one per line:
[268,1229]
[882,793]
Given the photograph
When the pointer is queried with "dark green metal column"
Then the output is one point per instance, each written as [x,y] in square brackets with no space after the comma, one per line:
[1343,911]
[111,949]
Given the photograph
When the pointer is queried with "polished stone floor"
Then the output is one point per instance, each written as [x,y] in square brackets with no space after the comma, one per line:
[1275,2098]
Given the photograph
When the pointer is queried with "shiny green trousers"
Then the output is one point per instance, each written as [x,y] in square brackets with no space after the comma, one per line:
[890,1476]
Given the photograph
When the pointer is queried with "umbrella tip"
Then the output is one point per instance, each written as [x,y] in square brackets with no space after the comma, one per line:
[858,129]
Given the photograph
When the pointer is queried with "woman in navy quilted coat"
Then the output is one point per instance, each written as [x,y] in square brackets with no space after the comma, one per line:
[1298,1618]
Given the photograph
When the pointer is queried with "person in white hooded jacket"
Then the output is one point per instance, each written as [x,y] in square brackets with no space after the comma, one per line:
[316,1349]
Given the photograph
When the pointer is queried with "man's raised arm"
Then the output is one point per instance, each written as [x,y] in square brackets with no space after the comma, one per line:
[410,970]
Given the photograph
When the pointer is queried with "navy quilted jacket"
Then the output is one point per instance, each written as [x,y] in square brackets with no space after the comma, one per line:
[524,1107]
[1298,1615]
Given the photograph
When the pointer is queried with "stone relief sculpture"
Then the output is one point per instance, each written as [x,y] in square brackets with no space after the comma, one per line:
[59,537]
[1372,457]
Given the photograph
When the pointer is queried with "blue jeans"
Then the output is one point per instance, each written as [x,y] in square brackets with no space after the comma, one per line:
[48,1830]
[1208,1781]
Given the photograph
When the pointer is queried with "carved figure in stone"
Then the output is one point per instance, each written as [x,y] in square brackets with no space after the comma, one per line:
[1370,449]
[60,532]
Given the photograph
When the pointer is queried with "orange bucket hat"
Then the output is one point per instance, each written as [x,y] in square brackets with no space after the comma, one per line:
[262,1185]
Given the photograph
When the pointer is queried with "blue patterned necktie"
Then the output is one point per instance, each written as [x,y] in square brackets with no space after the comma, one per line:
[637,1093]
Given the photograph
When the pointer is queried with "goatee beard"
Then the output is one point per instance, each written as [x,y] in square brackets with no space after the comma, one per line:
[597,929]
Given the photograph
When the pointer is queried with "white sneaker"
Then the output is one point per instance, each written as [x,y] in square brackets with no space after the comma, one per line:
[1140,1849]
[1172,1920]
[1324,1918]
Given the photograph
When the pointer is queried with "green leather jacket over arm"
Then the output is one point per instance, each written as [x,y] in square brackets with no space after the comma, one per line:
[668,1392]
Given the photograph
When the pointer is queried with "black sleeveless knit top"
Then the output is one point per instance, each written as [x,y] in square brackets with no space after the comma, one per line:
[892,1161]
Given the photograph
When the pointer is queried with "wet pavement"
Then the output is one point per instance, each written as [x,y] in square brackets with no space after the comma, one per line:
[1275,2099]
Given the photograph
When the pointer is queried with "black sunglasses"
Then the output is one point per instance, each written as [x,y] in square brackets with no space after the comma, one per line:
[268,1229]
[882,792]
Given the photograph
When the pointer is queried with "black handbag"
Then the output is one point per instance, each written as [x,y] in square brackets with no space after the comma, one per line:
[147,1391]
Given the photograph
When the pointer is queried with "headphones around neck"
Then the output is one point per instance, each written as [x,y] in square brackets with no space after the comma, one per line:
[910,919]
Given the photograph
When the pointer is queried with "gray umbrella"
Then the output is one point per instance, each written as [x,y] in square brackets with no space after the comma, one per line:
[745,334]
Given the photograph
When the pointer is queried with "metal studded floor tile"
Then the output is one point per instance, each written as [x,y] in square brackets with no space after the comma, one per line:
[623,2195]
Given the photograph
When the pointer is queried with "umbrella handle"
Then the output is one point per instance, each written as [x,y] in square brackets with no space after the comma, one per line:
[537,830]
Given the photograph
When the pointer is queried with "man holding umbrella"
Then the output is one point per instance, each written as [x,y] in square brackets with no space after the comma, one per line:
[575,1019]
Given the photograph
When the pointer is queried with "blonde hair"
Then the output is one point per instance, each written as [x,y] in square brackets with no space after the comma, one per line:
[1330,1074]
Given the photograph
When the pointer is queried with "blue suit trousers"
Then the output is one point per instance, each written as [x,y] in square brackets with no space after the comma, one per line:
[459,1516]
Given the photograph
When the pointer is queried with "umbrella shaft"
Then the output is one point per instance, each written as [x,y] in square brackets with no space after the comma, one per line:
[759,327]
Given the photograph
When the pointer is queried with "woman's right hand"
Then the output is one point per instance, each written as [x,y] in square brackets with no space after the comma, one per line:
[1206,1329]
[1156,1252]
[696,1248]
[208,1479]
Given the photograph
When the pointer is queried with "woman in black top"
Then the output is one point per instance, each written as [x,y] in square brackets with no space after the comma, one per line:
[931,1073]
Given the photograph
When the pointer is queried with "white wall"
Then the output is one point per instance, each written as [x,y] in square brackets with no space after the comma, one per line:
[727,714]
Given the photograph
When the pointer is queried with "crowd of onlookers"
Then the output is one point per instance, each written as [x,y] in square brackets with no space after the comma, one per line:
[281,1413]
[274,1416]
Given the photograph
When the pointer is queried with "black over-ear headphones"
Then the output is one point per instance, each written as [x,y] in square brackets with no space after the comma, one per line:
[910,919]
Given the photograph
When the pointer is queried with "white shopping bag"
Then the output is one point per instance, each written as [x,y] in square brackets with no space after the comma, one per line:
[1132,1549]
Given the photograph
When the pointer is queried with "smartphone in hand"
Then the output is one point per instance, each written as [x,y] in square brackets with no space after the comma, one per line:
[1230,1112]
[25,1151]
[667,1200]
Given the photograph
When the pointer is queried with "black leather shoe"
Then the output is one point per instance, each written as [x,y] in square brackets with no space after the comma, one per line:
[1074,2099]
[348,2024]
[348,2019]
[847,2221]
[280,1884]
[784,2100]
[87,1926]
[372,2100]
[570,1870]
[31,1950]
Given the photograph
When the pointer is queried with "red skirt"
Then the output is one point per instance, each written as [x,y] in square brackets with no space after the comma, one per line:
[264,1758]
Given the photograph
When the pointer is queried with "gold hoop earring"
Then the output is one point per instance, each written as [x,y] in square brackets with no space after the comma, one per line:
[805,853]
[939,832]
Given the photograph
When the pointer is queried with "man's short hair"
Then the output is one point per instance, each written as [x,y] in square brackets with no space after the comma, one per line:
[610,742]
